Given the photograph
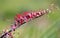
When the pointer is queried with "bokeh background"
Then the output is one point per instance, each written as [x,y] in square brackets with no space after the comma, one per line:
[47,26]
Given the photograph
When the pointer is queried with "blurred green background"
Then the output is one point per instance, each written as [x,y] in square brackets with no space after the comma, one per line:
[47,26]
